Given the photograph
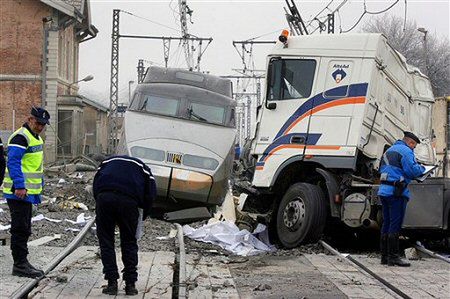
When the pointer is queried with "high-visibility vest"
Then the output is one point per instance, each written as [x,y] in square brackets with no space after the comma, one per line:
[32,164]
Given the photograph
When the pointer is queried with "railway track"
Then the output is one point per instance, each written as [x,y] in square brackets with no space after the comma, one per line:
[180,274]
[25,289]
[161,274]
[367,269]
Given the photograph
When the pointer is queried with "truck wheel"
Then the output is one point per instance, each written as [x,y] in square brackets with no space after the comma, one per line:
[301,215]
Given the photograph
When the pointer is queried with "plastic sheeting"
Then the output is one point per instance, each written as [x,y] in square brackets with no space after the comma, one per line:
[228,236]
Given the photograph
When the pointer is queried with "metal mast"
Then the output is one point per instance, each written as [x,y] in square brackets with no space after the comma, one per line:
[294,19]
[140,71]
[184,10]
[114,87]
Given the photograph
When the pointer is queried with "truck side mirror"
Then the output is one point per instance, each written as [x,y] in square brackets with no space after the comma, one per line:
[271,106]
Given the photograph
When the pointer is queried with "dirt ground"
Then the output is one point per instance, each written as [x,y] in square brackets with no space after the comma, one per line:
[62,196]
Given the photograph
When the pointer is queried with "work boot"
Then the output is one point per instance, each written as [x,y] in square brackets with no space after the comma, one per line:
[23,270]
[33,267]
[130,289]
[393,252]
[111,288]
[384,249]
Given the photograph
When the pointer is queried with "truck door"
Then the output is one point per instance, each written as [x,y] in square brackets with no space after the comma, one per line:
[290,83]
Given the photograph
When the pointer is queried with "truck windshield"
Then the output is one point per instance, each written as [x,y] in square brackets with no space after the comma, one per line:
[290,79]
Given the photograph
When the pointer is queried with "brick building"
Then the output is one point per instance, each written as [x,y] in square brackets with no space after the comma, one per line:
[39,43]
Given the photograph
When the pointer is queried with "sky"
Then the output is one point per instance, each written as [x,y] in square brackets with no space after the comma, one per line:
[224,21]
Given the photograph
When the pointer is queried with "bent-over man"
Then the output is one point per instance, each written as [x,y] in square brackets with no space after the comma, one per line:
[121,186]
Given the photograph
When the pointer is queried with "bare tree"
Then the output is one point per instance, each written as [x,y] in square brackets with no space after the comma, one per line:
[405,38]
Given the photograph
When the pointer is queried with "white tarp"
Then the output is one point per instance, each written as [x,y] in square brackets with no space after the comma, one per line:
[228,236]
[81,220]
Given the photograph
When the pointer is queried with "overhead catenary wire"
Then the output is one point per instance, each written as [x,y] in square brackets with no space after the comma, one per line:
[318,14]
[332,12]
[370,13]
[151,21]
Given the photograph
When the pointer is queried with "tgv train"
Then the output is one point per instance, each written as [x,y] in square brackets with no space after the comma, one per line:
[182,125]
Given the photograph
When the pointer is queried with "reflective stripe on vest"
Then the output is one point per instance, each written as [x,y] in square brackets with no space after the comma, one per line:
[32,164]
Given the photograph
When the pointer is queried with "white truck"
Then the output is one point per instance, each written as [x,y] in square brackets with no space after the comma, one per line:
[333,104]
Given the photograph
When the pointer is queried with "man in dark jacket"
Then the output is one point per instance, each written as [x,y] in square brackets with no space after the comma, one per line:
[121,186]
[398,168]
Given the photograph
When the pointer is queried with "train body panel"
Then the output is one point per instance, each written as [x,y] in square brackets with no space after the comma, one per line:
[185,131]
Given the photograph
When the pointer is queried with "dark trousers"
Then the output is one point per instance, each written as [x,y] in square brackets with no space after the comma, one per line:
[116,209]
[20,228]
[393,213]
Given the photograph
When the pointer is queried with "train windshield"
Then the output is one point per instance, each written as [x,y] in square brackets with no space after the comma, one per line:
[160,105]
[190,109]
[206,113]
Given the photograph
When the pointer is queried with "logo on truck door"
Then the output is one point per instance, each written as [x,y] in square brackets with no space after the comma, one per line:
[339,75]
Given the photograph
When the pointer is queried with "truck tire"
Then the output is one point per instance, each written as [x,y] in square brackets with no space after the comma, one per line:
[301,215]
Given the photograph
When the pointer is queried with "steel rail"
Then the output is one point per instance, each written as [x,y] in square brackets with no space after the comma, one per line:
[25,289]
[349,258]
[182,294]
[421,248]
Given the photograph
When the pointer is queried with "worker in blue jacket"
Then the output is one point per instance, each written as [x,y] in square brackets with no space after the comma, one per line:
[121,186]
[22,186]
[398,168]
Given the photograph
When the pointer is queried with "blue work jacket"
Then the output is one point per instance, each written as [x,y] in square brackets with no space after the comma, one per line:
[397,164]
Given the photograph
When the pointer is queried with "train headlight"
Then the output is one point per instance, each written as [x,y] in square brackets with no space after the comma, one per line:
[147,153]
[200,162]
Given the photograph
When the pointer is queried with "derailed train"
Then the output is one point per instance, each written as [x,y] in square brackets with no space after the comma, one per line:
[182,124]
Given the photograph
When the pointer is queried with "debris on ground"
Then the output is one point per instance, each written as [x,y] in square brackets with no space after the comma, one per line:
[412,254]
[262,287]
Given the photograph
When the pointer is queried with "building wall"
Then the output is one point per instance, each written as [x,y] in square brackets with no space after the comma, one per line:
[22,49]
[440,126]
[102,131]
[21,35]
[91,116]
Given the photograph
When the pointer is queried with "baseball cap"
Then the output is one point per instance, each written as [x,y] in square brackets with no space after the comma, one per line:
[41,115]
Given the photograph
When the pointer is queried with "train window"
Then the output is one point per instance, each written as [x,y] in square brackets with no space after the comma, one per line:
[147,153]
[160,105]
[200,162]
[290,79]
[207,113]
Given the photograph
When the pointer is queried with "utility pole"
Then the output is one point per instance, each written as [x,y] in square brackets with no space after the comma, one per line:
[294,19]
[114,82]
[114,86]
[184,10]
[425,47]
[243,98]
[140,71]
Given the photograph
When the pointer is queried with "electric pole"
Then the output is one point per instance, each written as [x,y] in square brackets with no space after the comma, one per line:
[186,39]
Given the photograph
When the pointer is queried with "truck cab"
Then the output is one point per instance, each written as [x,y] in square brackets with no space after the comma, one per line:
[333,105]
